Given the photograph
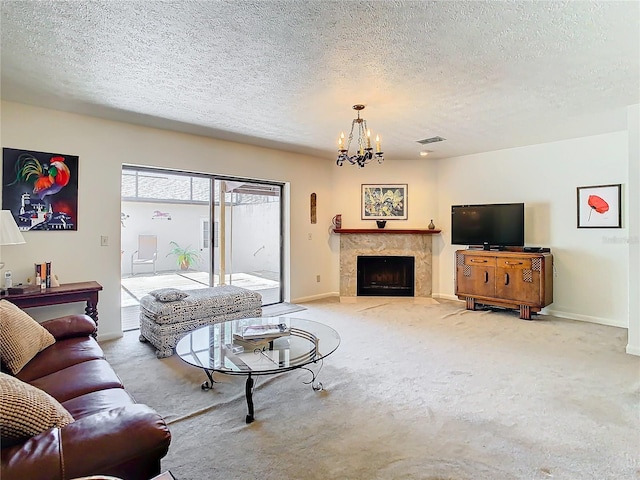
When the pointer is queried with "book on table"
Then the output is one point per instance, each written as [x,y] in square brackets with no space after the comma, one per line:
[251,344]
[268,331]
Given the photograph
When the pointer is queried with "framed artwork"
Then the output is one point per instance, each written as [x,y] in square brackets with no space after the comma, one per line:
[599,206]
[384,202]
[40,189]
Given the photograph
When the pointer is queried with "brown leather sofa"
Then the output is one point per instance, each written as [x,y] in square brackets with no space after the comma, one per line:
[111,434]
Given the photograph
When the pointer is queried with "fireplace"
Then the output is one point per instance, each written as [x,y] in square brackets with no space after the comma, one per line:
[387,276]
[389,243]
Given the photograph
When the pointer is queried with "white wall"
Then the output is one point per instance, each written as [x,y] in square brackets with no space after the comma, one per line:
[591,281]
[633,116]
[183,228]
[256,239]
[103,146]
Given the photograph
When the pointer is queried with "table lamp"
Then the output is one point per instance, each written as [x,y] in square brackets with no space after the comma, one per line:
[9,233]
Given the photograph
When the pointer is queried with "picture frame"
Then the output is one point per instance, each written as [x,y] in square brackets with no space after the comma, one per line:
[384,201]
[599,206]
[40,189]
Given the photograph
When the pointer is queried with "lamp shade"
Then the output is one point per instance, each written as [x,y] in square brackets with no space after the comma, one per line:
[9,233]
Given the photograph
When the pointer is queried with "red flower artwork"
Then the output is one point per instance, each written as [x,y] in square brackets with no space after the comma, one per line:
[598,204]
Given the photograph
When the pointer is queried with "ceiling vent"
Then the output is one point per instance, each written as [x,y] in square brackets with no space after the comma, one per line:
[431,140]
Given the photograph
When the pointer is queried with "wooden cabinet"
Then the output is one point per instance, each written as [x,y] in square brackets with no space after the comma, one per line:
[506,279]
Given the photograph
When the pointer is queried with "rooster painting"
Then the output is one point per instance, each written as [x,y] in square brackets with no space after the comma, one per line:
[40,189]
[47,179]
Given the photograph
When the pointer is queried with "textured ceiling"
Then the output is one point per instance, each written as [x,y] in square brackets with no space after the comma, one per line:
[284,74]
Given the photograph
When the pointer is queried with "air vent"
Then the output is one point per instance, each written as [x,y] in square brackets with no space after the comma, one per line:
[431,140]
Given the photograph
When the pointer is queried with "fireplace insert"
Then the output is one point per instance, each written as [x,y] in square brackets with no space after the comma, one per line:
[386,276]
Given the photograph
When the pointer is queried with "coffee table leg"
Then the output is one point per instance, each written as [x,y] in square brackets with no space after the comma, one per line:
[207,385]
[248,392]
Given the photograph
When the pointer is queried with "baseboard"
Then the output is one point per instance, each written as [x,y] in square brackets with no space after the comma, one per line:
[633,350]
[104,337]
[311,298]
[585,318]
[557,313]
[444,296]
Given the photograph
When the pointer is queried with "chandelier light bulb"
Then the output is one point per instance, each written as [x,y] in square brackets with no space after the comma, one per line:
[363,154]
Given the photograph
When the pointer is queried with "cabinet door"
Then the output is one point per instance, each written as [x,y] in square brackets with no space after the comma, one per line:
[518,279]
[475,276]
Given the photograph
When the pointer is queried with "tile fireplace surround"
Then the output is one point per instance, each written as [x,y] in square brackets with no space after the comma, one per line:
[411,243]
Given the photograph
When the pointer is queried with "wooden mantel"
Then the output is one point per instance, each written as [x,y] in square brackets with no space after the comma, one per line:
[417,231]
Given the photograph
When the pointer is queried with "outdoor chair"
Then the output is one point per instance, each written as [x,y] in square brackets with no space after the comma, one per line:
[147,252]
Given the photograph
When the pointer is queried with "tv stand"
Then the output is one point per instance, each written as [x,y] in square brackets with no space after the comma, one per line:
[507,279]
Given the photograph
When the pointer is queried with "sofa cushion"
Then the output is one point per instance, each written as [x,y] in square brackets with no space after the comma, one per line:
[76,380]
[60,355]
[21,337]
[26,411]
[94,402]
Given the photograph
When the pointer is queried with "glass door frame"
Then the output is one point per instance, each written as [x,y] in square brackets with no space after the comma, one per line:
[281,213]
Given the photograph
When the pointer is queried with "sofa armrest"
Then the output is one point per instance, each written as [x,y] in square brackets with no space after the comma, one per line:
[109,441]
[70,326]
[36,459]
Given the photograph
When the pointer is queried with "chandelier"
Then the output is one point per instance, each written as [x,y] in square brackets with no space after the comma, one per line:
[364,153]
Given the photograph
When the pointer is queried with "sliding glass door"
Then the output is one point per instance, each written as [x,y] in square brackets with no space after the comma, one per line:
[247,236]
[188,230]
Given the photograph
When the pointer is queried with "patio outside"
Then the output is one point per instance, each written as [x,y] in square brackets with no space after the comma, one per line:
[166,214]
[133,288]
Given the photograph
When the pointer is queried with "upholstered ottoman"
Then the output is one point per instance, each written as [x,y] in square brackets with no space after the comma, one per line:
[166,315]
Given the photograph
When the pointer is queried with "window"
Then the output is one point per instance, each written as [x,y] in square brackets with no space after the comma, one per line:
[205,234]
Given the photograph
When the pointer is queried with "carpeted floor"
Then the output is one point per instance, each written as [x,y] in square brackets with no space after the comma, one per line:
[283,308]
[413,392]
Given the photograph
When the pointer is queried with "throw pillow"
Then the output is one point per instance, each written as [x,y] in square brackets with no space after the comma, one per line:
[21,337]
[168,294]
[26,411]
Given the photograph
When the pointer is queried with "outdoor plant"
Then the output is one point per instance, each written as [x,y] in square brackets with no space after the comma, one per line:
[185,257]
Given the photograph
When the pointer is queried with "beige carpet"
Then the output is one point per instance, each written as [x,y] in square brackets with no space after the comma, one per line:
[413,392]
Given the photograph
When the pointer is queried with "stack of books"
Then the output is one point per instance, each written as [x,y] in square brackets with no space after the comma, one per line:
[259,336]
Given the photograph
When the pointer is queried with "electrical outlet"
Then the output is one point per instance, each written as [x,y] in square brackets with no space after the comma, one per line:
[318,278]
[104,241]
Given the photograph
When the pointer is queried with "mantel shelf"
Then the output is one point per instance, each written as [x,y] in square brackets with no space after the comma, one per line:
[415,231]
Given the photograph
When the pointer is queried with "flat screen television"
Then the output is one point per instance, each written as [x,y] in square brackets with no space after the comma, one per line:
[493,225]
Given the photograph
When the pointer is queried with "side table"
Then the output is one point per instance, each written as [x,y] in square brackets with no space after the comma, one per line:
[65,293]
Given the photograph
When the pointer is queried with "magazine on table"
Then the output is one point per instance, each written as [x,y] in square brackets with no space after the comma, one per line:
[251,343]
[265,331]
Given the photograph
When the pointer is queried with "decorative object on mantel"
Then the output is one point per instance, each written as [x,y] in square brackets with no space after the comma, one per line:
[431,226]
[364,153]
[384,202]
[381,223]
[337,221]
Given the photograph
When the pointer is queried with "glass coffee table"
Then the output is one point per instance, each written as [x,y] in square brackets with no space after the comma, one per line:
[212,349]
